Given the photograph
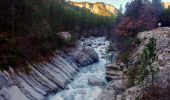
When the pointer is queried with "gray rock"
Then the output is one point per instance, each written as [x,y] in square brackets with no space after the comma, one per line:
[94,81]
[92,53]
[3,81]
[85,56]
[64,35]
[112,67]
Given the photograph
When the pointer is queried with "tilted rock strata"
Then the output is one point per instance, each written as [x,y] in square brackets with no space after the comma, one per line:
[44,78]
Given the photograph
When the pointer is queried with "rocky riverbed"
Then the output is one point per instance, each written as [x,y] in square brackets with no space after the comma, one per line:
[90,80]
[47,78]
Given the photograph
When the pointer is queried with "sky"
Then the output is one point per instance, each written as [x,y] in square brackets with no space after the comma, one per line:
[115,3]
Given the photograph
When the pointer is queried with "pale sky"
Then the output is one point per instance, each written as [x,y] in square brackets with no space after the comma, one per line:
[115,3]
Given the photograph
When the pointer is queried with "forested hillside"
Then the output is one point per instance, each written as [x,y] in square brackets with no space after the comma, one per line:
[28,29]
[139,15]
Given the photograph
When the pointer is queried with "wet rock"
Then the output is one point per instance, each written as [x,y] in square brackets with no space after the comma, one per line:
[86,56]
[104,57]
[80,91]
[4,94]
[82,59]
[99,44]
[92,53]
[94,81]
[4,82]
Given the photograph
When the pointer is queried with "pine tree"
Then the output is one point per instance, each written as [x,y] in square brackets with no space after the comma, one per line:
[146,68]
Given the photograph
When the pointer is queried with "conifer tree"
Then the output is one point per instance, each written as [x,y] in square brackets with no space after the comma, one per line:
[146,68]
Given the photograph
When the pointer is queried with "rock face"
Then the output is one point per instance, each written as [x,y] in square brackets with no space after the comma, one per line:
[113,72]
[44,78]
[166,4]
[99,8]
[162,35]
[117,89]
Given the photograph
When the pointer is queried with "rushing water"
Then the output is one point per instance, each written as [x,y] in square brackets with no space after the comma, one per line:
[79,89]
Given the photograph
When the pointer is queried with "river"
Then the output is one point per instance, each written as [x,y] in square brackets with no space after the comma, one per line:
[79,88]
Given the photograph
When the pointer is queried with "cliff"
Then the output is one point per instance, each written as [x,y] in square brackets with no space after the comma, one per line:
[98,8]
[166,4]
[120,87]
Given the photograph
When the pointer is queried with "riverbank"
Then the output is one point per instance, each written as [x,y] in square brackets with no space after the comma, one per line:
[124,87]
[46,77]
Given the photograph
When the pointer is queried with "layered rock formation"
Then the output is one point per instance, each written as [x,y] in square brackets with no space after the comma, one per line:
[98,8]
[46,77]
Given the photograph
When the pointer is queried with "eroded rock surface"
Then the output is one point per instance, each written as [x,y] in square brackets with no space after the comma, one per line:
[116,89]
[46,77]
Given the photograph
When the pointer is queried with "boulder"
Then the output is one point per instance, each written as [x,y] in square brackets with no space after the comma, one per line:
[82,59]
[94,81]
[86,56]
[64,35]
[92,53]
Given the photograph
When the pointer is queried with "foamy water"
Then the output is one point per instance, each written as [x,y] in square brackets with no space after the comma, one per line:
[79,89]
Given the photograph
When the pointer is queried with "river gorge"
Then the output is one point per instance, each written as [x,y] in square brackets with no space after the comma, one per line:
[86,72]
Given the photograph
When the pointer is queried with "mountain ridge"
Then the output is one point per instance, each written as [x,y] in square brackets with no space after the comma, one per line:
[99,8]
[166,4]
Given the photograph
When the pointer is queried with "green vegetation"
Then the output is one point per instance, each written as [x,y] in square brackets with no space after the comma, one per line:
[143,72]
[142,15]
[146,68]
[28,29]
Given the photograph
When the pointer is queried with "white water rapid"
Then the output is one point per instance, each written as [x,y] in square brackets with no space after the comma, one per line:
[79,89]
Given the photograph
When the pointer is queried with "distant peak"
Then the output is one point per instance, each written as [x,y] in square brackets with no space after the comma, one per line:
[166,4]
[99,8]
